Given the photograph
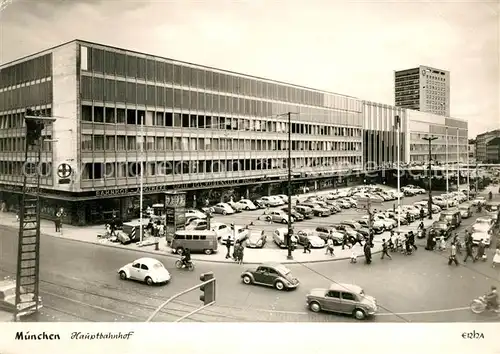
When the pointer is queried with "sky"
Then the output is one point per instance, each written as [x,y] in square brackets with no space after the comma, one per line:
[347,47]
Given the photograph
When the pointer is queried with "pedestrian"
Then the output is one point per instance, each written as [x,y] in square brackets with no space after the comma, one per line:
[17,217]
[354,257]
[411,240]
[408,249]
[480,251]
[329,247]
[56,224]
[307,246]
[345,241]
[368,253]
[442,243]
[421,225]
[422,214]
[453,255]
[228,247]
[496,258]
[384,250]
[468,252]
[240,253]
[357,239]
[408,217]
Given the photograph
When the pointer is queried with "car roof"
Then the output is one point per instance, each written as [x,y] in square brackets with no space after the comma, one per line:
[271,264]
[345,287]
[146,260]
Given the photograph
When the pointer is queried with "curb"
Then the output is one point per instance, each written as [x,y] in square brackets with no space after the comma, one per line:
[166,254]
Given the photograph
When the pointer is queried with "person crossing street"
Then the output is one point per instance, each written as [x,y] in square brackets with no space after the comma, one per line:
[453,255]
[384,250]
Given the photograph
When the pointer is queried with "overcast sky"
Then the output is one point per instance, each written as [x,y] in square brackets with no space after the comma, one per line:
[348,47]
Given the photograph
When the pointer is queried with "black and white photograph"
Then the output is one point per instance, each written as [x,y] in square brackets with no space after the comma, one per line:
[255,161]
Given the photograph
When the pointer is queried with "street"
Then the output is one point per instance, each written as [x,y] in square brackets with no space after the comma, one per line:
[79,282]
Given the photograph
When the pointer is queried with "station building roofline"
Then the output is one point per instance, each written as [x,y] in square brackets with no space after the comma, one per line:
[81,41]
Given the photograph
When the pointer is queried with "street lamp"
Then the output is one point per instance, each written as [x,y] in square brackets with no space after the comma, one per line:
[430,138]
[447,182]
[398,127]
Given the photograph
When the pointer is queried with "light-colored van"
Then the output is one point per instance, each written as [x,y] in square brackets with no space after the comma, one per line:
[196,240]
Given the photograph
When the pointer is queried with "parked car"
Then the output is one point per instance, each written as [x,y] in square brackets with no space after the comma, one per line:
[148,270]
[237,206]
[256,239]
[312,236]
[331,208]
[394,215]
[305,211]
[283,197]
[317,209]
[270,274]
[197,224]
[247,204]
[389,223]
[479,201]
[378,226]
[334,205]
[220,229]
[344,204]
[483,224]
[279,237]
[295,214]
[279,216]
[273,201]
[342,298]
[239,233]
[223,208]
[330,232]
[260,204]
[465,211]
[193,213]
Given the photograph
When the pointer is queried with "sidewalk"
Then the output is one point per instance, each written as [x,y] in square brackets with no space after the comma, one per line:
[251,256]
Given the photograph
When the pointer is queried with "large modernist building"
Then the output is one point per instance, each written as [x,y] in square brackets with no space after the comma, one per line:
[482,141]
[202,130]
[423,89]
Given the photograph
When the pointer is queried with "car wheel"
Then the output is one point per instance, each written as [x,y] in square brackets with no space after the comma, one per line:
[247,280]
[123,275]
[279,285]
[359,314]
[149,281]
[247,208]
[315,307]
[320,214]
[208,251]
[179,250]
[284,221]
[224,212]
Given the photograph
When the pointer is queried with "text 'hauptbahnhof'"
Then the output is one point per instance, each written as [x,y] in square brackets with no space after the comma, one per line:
[209,132]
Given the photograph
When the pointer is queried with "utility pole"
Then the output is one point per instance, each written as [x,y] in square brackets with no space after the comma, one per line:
[447,181]
[477,179]
[370,219]
[458,161]
[141,180]
[429,203]
[468,175]
[398,125]
[289,165]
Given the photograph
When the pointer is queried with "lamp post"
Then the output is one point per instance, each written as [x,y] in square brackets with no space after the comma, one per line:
[141,230]
[447,181]
[468,175]
[429,204]
[398,125]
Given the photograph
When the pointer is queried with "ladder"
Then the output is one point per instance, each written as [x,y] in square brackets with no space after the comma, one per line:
[28,258]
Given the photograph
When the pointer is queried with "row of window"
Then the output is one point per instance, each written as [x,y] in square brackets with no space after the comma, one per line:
[452,137]
[16,120]
[108,90]
[26,71]
[452,149]
[167,119]
[159,143]
[126,65]
[19,144]
[17,168]
[165,168]
[26,96]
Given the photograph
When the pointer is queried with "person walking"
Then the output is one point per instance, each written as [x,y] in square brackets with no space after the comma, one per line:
[345,242]
[241,252]
[496,258]
[329,246]
[453,255]
[411,240]
[422,215]
[307,246]
[468,251]
[228,246]
[384,250]
[368,253]
[480,251]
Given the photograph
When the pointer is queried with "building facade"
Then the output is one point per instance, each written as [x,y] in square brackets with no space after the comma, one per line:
[424,89]
[380,145]
[472,150]
[482,142]
[203,130]
[452,138]
[493,151]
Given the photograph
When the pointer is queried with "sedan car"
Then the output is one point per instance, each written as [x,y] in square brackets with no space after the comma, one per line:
[317,209]
[441,226]
[148,270]
[479,201]
[256,239]
[8,298]
[221,229]
[223,208]
[312,236]
[271,274]
[193,213]
[279,216]
[484,236]
[342,298]
[236,206]
[197,224]
[295,214]
[305,211]
[247,204]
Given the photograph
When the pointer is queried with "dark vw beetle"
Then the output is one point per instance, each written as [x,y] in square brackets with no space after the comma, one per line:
[271,274]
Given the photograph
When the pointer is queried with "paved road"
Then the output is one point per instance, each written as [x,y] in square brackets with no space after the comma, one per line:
[79,283]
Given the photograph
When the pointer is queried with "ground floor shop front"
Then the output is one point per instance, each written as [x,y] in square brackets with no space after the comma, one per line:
[99,207]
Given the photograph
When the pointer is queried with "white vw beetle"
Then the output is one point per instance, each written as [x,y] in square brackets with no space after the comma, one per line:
[147,270]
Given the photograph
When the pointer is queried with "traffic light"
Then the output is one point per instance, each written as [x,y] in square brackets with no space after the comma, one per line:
[208,290]
[33,128]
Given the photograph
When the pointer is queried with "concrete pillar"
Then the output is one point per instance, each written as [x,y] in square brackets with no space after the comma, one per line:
[247,193]
[315,185]
[269,189]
